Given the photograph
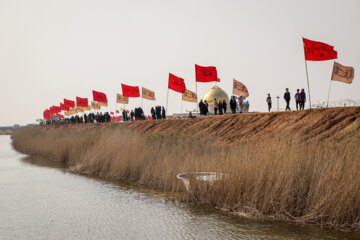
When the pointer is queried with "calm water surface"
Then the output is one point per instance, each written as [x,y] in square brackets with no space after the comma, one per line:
[38,200]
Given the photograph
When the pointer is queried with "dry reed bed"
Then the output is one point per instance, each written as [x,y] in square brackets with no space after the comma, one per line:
[277,177]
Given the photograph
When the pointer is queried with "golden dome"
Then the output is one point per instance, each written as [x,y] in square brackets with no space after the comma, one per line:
[215,92]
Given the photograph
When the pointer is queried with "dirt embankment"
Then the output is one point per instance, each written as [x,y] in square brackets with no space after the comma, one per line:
[320,124]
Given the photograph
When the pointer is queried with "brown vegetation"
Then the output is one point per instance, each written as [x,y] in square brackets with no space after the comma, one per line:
[304,170]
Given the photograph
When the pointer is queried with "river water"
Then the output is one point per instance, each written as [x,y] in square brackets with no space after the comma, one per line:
[39,200]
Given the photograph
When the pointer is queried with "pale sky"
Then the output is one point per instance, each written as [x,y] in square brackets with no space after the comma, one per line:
[55,49]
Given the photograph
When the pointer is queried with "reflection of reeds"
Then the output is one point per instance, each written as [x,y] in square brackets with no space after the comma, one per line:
[305,182]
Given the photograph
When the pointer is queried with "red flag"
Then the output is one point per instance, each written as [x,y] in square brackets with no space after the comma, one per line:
[46,114]
[117,111]
[63,107]
[118,119]
[81,102]
[55,109]
[111,113]
[99,96]
[218,80]
[59,115]
[177,84]
[205,74]
[127,111]
[318,51]
[149,118]
[69,103]
[130,91]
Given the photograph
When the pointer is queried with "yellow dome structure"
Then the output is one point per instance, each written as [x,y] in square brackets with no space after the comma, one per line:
[215,92]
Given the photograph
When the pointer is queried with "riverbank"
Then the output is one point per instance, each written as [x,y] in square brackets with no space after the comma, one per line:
[304,166]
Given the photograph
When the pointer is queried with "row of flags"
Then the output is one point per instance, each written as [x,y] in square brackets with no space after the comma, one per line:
[319,51]
[71,107]
[313,51]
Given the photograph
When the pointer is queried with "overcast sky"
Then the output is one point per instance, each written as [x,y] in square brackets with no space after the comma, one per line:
[55,49]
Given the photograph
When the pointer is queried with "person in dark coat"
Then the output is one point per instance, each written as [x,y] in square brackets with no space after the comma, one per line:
[158,112]
[233,104]
[216,106]
[132,115]
[153,114]
[206,108]
[85,118]
[163,113]
[124,115]
[142,115]
[224,106]
[220,107]
[298,99]
[269,102]
[303,99]
[287,98]
[201,107]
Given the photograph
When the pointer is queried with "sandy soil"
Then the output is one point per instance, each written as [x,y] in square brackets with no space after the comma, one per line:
[320,124]
[310,125]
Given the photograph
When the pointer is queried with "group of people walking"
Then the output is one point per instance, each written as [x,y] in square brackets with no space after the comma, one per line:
[158,113]
[300,99]
[137,114]
[220,106]
[242,105]
[204,107]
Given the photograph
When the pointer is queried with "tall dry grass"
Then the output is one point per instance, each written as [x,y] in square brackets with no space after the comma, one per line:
[279,178]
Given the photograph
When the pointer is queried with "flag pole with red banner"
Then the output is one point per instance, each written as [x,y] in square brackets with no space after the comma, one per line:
[142,89]
[307,74]
[317,51]
[205,74]
[167,99]
[176,84]
[197,105]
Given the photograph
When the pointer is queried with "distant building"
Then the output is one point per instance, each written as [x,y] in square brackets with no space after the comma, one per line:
[219,94]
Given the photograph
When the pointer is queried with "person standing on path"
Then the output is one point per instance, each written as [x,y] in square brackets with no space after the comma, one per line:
[298,99]
[233,104]
[220,107]
[202,107]
[216,105]
[206,108]
[224,105]
[303,99]
[247,105]
[287,99]
[269,102]
[240,99]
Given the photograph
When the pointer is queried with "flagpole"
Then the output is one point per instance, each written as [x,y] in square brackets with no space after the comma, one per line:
[167,100]
[327,105]
[181,105]
[142,92]
[307,75]
[197,105]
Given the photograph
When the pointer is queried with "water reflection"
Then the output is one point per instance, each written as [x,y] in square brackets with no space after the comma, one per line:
[42,201]
[43,162]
